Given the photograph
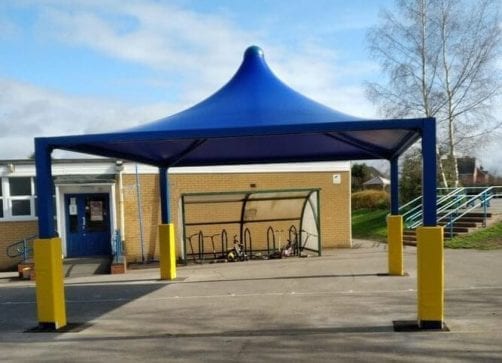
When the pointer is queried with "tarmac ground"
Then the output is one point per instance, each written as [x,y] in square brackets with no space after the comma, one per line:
[338,307]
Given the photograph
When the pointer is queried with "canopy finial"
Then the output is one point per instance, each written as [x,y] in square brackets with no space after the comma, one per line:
[253,51]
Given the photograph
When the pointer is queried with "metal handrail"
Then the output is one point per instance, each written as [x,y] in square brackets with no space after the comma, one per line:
[417,199]
[479,200]
[410,203]
[20,248]
[440,199]
[451,208]
[416,217]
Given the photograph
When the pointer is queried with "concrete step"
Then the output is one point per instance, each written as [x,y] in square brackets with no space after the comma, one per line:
[410,237]
[466,224]
[72,267]
[479,214]
[86,266]
[470,214]
[457,229]
[477,220]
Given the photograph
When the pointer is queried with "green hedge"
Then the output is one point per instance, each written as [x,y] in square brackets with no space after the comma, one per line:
[370,199]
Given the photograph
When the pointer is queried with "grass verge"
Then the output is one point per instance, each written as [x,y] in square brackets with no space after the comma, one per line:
[489,238]
[370,224]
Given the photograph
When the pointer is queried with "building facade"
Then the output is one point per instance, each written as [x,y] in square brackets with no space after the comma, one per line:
[96,198]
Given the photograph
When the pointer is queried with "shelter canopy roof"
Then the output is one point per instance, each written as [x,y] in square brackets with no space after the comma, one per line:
[255,206]
[254,118]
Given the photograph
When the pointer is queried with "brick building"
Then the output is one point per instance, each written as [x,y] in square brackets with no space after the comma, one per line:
[96,197]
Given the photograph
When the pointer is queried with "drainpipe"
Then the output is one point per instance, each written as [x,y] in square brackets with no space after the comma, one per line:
[140,215]
[120,169]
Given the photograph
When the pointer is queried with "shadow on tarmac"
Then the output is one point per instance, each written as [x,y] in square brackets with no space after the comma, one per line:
[84,304]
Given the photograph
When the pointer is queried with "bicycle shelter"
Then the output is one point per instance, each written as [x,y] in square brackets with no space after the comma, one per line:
[264,221]
[254,118]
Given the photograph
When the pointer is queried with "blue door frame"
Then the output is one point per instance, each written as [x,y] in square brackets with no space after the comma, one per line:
[87,224]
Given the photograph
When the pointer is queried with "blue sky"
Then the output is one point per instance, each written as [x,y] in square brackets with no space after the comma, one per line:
[85,66]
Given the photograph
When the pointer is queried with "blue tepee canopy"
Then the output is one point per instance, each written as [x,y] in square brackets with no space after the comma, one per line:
[254,118]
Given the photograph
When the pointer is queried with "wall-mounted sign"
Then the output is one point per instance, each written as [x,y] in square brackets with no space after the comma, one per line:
[73,206]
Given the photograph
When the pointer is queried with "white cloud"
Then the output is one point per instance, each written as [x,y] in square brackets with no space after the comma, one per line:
[318,73]
[206,49]
[203,51]
[489,152]
[203,47]
[29,111]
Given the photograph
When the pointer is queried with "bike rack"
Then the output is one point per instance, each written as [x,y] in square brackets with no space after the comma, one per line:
[293,238]
[247,238]
[224,242]
[21,248]
[270,232]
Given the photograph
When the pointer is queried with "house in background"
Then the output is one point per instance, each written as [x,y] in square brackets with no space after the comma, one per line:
[471,173]
[361,173]
[377,183]
[94,198]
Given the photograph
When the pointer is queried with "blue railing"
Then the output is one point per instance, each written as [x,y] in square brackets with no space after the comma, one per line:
[452,204]
[467,205]
[117,247]
[23,248]
[412,211]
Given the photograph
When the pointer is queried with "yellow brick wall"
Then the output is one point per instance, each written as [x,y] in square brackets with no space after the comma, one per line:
[334,204]
[11,232]
[149,190]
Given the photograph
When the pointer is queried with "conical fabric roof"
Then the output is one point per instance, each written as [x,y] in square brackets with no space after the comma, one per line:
[253,97]
[254,118]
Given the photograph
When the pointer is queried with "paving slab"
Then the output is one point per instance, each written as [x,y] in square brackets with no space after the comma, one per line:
[338,307]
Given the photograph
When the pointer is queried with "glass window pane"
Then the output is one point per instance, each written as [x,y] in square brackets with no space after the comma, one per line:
[21,208]
[1,208]
[96,219]
[1,187]
[20,186]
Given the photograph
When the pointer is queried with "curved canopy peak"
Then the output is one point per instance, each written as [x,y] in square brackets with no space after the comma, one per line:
[254,118]
[253,97]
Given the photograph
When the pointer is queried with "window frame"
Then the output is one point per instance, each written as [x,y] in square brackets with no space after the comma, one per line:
[8,199]
[2,206]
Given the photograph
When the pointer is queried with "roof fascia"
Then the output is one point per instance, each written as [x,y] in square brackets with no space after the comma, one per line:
[96,150]
[74,140]
[331,157]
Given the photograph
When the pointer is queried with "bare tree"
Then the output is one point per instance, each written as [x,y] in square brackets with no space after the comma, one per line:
[440,60]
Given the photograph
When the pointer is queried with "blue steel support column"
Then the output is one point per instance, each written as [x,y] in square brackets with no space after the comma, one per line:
[429,172]
[51,307]
[395,225]
[394,187]
[44,189]
[167,246]
[164,195]
[430,254]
